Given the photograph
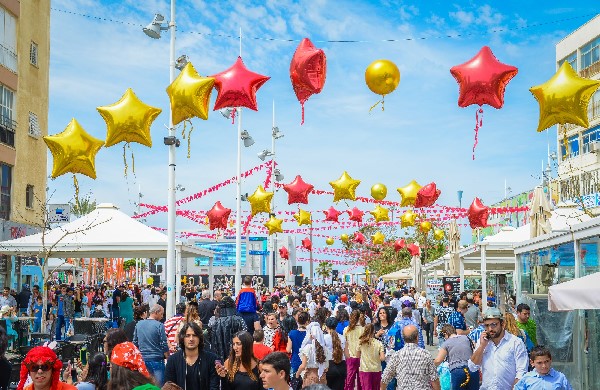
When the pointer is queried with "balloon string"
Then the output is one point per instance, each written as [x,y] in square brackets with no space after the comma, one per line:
[189,139]
[76,185]
[376,104]
[565,144]
[302,105]
[124,161]
[478,125]
[132,160]
[233,112]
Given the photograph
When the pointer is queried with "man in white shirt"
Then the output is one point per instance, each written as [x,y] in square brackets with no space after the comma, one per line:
[503,361]
[146,294]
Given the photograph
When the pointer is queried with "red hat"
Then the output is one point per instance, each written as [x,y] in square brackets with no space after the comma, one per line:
[127,355]
[344,298]
[43,355]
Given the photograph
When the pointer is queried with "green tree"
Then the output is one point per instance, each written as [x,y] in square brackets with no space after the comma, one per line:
[82,206]
[324,270]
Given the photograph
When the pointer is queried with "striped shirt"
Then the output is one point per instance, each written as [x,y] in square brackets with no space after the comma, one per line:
[412,367]
[171,327]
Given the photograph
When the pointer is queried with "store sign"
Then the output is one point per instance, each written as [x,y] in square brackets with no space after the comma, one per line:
[58,213]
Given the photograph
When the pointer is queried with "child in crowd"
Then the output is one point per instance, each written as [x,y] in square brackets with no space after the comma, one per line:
[543,376]
[260,350]
[270,329]
[37,314]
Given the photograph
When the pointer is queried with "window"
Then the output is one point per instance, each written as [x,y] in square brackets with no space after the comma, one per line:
[33,54]
[29,196]
[5,188]
[34,126]
[590,53]
[589,136]
[571,59]
[8,40]
[573,147]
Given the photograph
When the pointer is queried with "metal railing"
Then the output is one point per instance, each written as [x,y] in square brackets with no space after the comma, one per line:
[8,128]
[590,70]
[8,59]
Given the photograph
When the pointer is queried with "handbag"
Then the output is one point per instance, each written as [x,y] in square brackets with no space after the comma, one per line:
[295,383]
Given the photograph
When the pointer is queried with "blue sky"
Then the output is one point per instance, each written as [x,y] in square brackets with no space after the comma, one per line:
[422,134]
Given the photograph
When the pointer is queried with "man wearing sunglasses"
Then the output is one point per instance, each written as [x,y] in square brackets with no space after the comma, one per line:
[43,366]
[501,356]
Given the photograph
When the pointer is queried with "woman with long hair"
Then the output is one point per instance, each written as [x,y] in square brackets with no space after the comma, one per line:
[139,313]
[428,317]
[510,325]
[127,368]
[240,370]
[383,324]
[295,338]
[191,315]
[336,374]
[315,359]
[126,307]
[343,320]
[371,354]
[352,334]
[94,375]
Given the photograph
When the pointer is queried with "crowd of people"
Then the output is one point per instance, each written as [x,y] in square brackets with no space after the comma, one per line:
[341,337]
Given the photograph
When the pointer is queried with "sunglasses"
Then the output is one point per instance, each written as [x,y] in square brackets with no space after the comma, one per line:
[37,367]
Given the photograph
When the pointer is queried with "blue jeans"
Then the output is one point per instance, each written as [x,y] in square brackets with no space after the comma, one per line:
[458,377]
[60,322]
[156,368]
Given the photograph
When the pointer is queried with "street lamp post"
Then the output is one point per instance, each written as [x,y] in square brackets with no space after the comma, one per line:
[275,134]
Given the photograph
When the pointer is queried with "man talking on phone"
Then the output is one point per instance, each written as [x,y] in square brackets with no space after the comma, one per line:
[501,356]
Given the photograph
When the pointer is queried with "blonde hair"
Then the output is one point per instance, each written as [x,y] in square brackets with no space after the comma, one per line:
[511,324]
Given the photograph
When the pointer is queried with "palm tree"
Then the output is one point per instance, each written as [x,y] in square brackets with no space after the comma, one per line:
[324,269]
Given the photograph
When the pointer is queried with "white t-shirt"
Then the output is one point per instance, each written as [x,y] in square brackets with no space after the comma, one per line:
[312,306]
[329,343]
[145,295]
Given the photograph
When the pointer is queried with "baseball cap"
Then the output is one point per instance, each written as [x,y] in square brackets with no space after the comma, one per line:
[493,312]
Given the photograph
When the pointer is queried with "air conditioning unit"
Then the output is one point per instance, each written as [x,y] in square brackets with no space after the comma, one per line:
[594,147]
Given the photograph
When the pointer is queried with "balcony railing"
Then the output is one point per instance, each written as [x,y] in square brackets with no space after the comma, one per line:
[8,59]
[7,130]
[590,70]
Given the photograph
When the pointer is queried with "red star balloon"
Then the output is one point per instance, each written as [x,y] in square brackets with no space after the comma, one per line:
[284,253]
[307,71]
[355,214]
[218,216]
[427,195]
[237,87]
[413,249]
[332,214]
[307,244]
[359,238]
[478,214]
[483,79]
[298,191]
[399,244]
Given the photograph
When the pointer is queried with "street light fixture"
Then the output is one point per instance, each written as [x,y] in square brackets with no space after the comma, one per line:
[276,133]
[227,112]
[247,138]
[155,27]
[278,175]
[264,154]
[181,62]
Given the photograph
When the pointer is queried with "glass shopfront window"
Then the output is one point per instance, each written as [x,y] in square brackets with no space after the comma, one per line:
[546,267]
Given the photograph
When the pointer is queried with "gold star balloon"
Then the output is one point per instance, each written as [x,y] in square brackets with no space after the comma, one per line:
[329,240]
[409,193]
[190,94]
[378,238]
[564,98]
[73,150]
[380,214]
[344,187]
[260,201]
[438,234]
[408,219]
[128,120]
[274,225]
[303,217]
[425,226]
[344,237]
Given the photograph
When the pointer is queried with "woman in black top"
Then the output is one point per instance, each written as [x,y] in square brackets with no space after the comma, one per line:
[77,302]
[240,371]
[383,324]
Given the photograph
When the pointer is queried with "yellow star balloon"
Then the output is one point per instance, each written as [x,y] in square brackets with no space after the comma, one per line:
[128,120]
[408,218]
[409,193]
[425,226]
[73,150]
[438,234]
[190,94]
[303,217]
[344,187]
[378,238]
[344,237]
[564,98]
[380,214]
[329,240]
[260,201]
[274,225]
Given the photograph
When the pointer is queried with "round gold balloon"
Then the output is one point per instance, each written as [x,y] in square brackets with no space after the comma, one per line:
[564,98]
[409,193]
[274,225]
[73,150]
[408,219]
[382,77]
[425,226]
[344,237]
[329,240]
[260,201]
[303,217]
[344,187]
[128,120]
[438,234]
[380,214]
[379,191]
[378,238]
[189,95]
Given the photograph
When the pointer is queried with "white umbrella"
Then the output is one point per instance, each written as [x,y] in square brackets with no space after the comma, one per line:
[417,270]
[582,293]
[453,247]
[540,213]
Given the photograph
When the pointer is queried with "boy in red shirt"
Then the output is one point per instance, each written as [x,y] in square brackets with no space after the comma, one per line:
[260,350]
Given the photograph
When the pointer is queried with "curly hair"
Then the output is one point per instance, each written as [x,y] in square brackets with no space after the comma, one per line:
[355,317]
[44,355]
[319,352]
[338,351]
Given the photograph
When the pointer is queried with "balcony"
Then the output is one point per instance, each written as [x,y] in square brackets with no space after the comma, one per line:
[8,59]
[7,131]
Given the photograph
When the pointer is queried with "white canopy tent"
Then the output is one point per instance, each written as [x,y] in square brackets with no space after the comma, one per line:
[403,274]
[582,293]
[103,233]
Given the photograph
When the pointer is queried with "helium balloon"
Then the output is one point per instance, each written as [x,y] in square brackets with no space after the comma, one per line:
[482,79]
[332,214]
[260,201]
[237,87]
[379,191]
[128,120]
[399,244]
[73,150]
[274,225]
[298,190]
[378,238]
[409,193]
[307,244]
[478,214]
[382,77]
[408,219]
[438,234]
[218,216]
[189,95]
[344,187]
[564,98]
[355,214]
[329,240]
[380,214]
[284,253]
[303,217]
[413,249]
[359,238]
[425,226]
[307,71]
[427,195]
[344,237]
